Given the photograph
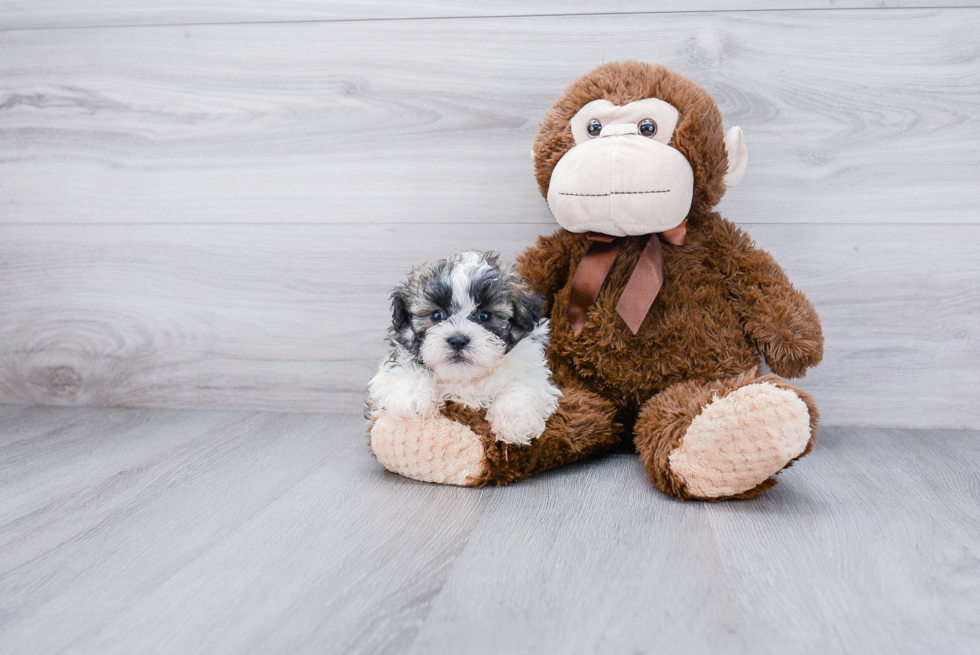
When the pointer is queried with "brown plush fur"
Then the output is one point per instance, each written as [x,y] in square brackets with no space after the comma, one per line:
[724,304]
[698,136]
[665,418]
[583,426]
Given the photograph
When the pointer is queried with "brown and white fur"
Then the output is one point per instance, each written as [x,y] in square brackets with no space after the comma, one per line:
[467,329]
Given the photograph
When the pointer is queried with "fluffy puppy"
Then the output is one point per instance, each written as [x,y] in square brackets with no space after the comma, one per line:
[467,329]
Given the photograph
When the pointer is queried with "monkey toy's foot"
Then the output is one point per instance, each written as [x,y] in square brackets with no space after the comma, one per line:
[725,439]
[459,447]
[432,450]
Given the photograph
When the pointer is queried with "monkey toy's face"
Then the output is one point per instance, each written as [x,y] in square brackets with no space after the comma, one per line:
[622,177]
[625,168]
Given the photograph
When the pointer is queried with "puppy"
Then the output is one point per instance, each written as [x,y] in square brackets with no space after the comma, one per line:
[467,329]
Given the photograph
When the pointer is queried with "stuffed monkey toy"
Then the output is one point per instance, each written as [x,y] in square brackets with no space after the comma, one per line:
[660,308]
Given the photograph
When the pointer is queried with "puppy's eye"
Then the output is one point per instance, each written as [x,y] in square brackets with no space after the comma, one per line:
[648,127]
[484,317]
[438,315]
[595,127]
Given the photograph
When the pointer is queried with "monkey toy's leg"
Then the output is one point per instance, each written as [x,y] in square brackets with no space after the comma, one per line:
[724,439]
[458,448]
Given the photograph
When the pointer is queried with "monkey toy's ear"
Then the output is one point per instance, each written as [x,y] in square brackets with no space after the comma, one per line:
[527,312]
[400,316]
[738,156]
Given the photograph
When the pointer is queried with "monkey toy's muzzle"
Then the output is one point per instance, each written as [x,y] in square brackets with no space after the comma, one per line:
[621,184]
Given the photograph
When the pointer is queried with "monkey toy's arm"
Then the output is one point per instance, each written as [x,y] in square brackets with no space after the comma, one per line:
[546,265]
[777,318]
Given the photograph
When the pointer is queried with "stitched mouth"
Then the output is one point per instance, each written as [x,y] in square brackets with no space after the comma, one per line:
[612,193]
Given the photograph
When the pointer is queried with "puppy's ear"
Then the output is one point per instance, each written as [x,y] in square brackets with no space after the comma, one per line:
[400,316]
[491,258]
[527,312]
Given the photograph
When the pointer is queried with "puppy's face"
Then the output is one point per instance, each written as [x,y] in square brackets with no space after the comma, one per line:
[459,316]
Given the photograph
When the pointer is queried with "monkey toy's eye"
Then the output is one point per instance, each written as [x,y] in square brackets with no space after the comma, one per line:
[483,317]
[438,315]
[648,127]
[595,127]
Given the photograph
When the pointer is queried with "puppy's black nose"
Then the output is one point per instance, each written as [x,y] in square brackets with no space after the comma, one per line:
[458,342]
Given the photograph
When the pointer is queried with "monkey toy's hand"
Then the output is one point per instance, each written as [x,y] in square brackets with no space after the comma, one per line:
[792,345]
[778,318]
[787,331]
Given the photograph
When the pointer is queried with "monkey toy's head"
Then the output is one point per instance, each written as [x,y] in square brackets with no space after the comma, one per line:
[633,148]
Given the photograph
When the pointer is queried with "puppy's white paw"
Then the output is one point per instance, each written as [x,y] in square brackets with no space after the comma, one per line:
[412,403]
[515,424]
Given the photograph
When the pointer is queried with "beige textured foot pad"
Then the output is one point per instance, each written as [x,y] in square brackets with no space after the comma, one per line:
[433,450]
[741,440]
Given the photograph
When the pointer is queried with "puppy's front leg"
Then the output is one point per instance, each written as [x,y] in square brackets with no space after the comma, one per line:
[404,391]
[516,419]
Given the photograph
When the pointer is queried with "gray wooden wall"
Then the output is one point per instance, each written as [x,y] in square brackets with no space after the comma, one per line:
[204,204]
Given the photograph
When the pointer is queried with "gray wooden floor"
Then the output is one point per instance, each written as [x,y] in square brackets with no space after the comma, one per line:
[134,531]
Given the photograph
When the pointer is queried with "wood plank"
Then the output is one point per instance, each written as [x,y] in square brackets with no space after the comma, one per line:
[837,558]
[41,473]
[884,519]
[32,14]
[612,566]
[237,532]
[408,121]
[205,532]
[293,317]
[24,422]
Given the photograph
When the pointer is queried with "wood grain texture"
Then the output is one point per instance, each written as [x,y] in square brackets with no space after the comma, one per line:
[241,532]
[212,215]
[408,121]
[31,14]
[836,559]
[293,317]
[200,511]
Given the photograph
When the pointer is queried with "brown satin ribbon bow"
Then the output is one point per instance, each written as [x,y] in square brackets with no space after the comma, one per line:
[641,289]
